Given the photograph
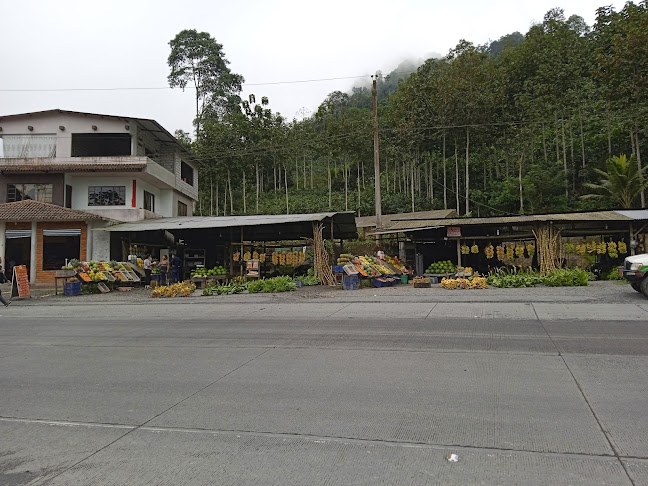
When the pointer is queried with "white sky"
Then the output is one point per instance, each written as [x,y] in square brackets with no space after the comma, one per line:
[68,44]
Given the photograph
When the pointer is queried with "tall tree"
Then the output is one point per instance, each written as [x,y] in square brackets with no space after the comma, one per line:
[622,59]
[196,59]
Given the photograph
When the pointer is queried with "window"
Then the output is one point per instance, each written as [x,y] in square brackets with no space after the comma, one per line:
[106,195]
[182,209]
[187,173]
[29,146]
[149,201]
[59,245]
[101,144]
[37,192]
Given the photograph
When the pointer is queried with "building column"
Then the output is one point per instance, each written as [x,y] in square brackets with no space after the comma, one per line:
[89,240]
[32,253]
[3,239]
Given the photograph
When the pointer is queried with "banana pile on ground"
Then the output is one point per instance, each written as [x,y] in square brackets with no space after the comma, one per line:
[183,289]
[464,283]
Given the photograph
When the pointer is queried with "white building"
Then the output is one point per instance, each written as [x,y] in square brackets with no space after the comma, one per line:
[119,168]
[125,169]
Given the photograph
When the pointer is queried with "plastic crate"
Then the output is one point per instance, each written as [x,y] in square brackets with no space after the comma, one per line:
[381,282]
[350,282]
[72,288]
[338,268]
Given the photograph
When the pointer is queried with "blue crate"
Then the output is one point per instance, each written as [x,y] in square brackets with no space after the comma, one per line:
[72,288]
[381,282]
[350,282]
[338,268]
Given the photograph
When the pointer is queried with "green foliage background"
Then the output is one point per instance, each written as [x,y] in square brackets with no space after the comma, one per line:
[525,124]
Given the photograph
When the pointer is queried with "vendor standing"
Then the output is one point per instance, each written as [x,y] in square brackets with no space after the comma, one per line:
[164,269]
[176,268]
[147,271]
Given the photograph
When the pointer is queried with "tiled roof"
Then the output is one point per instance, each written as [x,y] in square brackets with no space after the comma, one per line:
[29,210]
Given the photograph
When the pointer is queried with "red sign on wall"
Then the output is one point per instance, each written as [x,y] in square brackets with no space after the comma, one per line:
[454,231]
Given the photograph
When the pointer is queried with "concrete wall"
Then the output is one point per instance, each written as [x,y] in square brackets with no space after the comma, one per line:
[100,243]
[166,167]
[49,123]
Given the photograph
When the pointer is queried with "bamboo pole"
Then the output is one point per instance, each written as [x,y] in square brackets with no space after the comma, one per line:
[547,247]
[321,266]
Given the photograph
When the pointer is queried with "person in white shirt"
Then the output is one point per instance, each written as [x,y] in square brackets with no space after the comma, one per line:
[147,271]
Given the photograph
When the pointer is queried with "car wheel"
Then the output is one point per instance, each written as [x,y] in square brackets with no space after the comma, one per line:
[636,286]
[644,286]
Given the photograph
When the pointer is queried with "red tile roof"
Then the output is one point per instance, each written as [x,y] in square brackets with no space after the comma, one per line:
[29,210]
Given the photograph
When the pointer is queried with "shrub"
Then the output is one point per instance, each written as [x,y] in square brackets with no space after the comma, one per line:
[255,286]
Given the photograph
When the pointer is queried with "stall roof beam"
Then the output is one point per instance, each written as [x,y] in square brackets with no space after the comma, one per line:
[626,215]
[257,227]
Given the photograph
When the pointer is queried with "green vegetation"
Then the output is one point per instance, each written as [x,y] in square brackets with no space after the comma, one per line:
[561,277]
[527,124]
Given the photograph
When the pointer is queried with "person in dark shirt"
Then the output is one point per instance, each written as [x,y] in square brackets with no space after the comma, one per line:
[176,267]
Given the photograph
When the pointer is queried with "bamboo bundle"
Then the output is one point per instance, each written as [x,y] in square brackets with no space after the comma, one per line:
[321,266]
[548,242]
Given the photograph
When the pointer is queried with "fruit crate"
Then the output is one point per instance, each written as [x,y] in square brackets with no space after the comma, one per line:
[422,283]
[109,276]
[350,269]
[338,268]
[381,282]
[350,282]
[103,288]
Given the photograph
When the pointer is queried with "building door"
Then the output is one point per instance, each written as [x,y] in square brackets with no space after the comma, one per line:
[68,196]
[17,249]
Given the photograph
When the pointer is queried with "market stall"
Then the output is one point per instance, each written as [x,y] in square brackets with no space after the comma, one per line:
[105,275]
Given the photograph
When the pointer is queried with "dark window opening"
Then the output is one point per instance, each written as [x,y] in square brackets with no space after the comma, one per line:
[106,195]
[149,201]
[101,144]
[187,173]
[57,248]
[182,209]
[37,192]
[68,196]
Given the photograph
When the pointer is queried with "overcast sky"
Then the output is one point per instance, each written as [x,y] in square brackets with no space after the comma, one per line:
[75,45]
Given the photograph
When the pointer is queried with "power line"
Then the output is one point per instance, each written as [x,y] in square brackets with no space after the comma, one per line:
[267,83]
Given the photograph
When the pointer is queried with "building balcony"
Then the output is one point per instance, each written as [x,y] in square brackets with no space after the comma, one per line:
[146,168]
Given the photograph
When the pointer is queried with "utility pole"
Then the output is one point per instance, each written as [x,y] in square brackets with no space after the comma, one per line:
[374,94]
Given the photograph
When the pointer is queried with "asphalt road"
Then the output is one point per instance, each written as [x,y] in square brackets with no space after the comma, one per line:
[325,392]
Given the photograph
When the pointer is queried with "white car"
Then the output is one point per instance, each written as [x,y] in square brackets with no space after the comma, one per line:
[635,271]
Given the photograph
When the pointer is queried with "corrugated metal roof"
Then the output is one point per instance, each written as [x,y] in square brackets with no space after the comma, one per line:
[617,215]
[370,221]
[197,222]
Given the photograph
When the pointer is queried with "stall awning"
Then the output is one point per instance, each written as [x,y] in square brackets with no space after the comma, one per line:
[255,227]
